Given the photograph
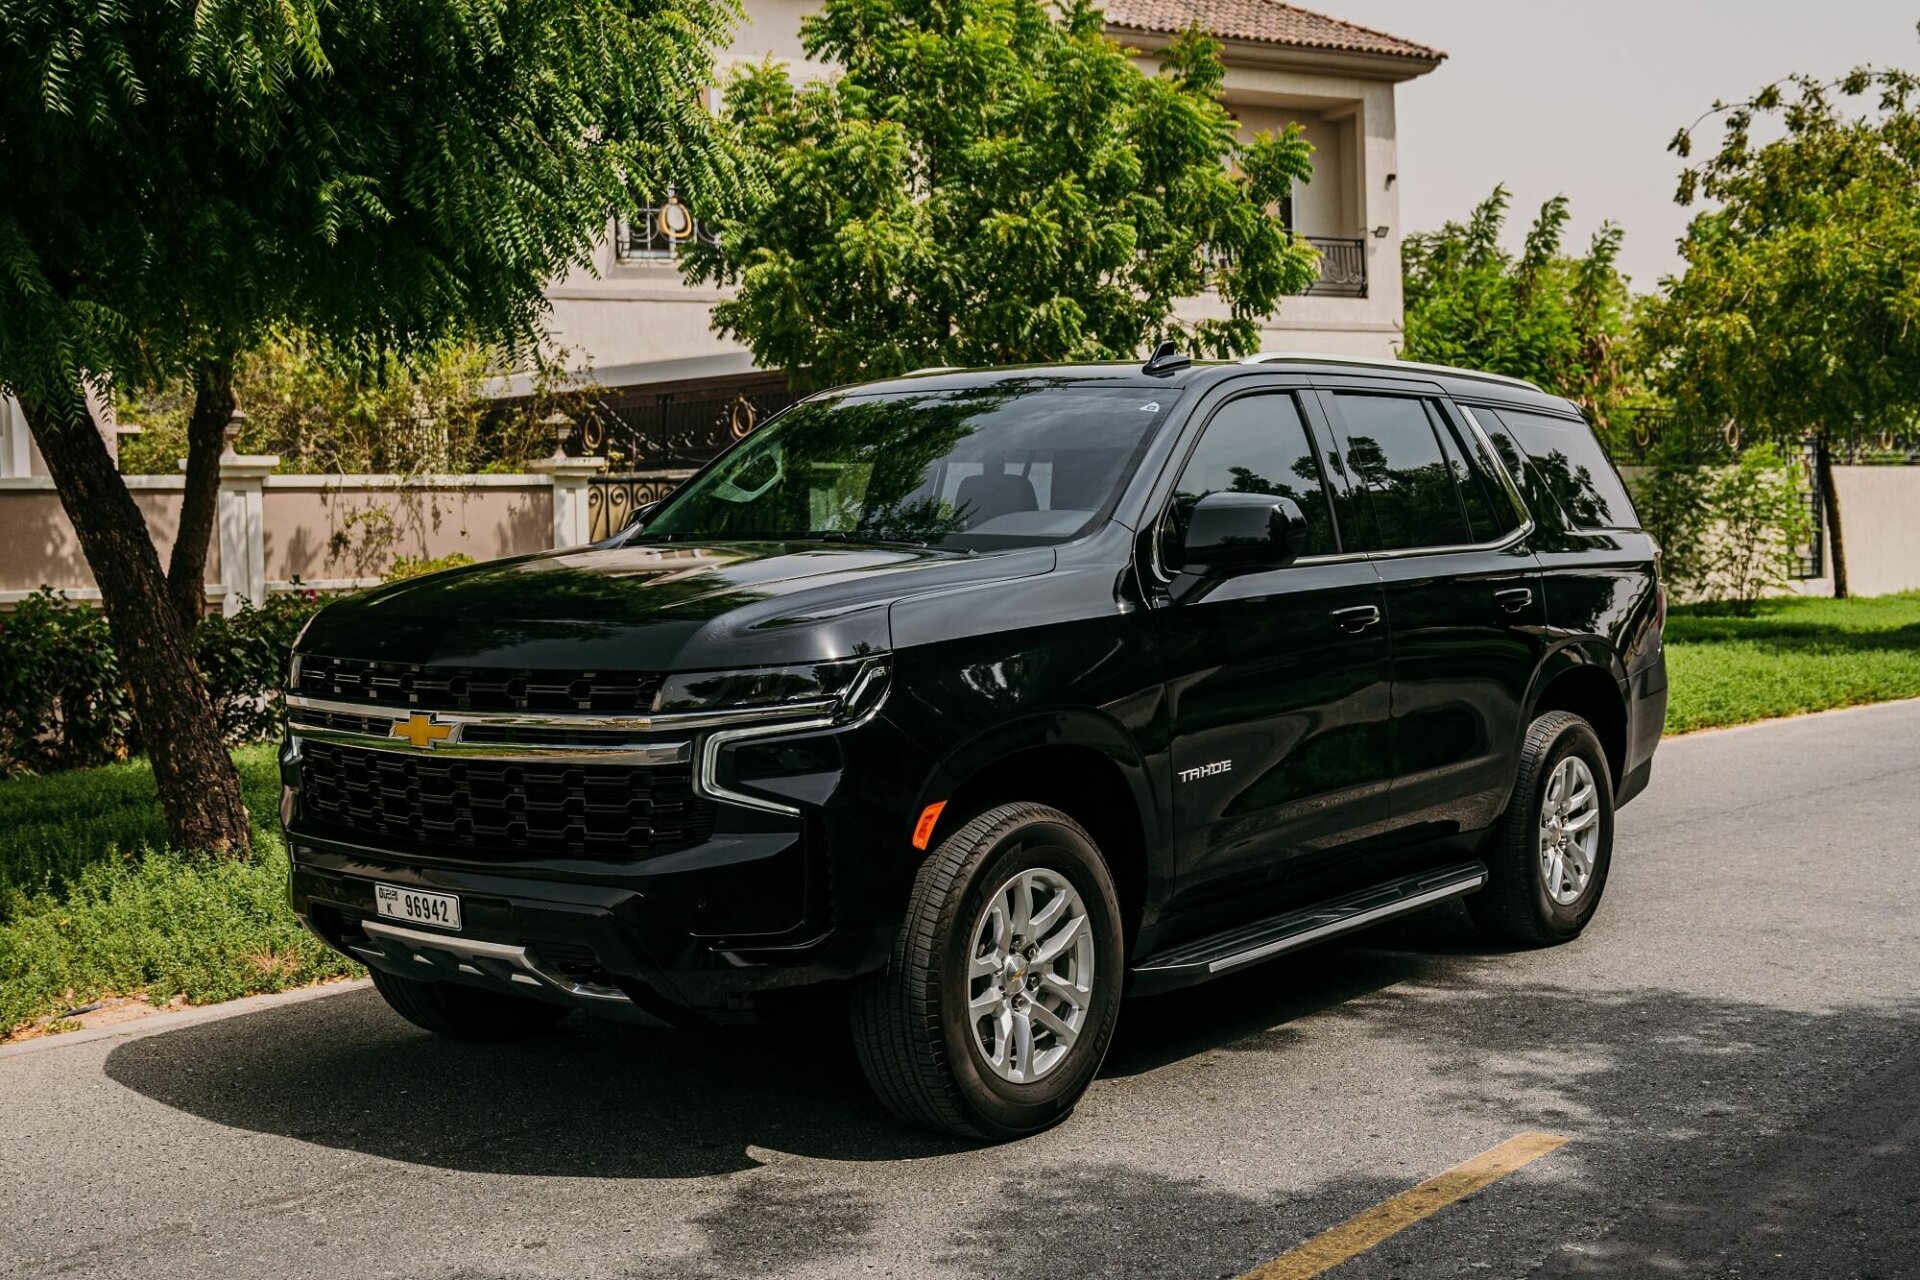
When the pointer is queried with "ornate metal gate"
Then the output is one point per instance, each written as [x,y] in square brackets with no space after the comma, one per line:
[654,439]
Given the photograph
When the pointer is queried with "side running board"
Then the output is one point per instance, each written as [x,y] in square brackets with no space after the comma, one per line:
[1221,953]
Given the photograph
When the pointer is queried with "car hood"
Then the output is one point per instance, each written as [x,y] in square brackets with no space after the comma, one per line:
[659,607]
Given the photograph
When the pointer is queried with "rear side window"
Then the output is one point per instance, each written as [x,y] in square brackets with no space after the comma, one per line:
[1394,453]
[1256,444]
[1567,460]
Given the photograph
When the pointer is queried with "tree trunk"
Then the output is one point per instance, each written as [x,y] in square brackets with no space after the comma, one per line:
[206,439]
[199,787]
[1830,504]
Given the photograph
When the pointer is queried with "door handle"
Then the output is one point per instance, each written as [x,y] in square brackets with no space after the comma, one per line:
[1356,619]
[1514,599]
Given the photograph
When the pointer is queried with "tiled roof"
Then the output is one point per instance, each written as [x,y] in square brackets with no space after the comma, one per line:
[1263,20]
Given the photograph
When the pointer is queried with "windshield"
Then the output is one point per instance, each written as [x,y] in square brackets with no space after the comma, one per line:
[1020,463]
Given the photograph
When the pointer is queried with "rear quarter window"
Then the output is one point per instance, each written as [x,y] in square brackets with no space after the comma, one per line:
[1567,460]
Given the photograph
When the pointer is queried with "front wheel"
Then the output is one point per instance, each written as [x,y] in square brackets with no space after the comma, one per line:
[999,1000]
[1548,857]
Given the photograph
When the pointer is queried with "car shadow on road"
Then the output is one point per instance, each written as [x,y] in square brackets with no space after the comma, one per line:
[605,1100]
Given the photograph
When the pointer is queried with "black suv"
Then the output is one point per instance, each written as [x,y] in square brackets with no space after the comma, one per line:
[991,696]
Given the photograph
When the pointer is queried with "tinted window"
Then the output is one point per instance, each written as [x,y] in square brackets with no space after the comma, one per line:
[1393,453]
[1568,461]
[1256,444]
[1018,463]
[1486,518]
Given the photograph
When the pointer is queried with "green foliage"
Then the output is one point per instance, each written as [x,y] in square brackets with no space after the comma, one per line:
[385,176]
[426,414]
[1789,656]
[60,824]
[65,705]
[1799,308]
[168,925]
[61,701]
[1559,321]
[91,904]
[995,181]
[1759,520]
[1727,533]
[405,567]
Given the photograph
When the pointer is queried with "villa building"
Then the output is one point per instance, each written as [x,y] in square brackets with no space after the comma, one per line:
[647,338]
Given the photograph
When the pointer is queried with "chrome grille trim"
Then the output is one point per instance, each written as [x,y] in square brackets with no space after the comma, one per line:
[665,721]
[628,753]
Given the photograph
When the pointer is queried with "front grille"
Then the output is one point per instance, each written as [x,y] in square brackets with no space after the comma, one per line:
[502,808]
[438,688]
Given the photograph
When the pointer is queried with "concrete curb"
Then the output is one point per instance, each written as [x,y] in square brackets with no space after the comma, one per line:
[158,1022]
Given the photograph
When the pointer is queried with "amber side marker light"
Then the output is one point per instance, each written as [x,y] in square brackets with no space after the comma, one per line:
[923,829]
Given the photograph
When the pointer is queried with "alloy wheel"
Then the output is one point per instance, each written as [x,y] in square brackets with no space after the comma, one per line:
[1030,975]
[1569,830]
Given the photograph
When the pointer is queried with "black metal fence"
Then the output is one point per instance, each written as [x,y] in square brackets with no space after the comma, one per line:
[1343,267]
[1653,435]
[654,439]
[666,430]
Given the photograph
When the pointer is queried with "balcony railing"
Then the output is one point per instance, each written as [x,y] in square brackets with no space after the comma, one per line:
[658,233]
[1343,267]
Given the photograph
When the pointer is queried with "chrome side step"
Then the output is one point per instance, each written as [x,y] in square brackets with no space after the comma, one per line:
[1223,952]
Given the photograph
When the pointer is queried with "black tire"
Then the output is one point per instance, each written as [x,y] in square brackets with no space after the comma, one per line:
[466,1013]
[910,1023]
[1515,905]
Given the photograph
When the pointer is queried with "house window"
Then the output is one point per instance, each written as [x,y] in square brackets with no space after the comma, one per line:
[657,233]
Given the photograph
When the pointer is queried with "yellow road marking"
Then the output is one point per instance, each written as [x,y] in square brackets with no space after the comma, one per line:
[1365,1230]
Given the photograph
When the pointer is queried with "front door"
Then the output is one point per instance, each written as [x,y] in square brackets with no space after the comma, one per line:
[1277,679]
[1465,604]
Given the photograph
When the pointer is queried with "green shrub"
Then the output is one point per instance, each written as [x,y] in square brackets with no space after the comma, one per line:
[405,567]
[1727,533]
[168,925]
[63,704]
[52,828]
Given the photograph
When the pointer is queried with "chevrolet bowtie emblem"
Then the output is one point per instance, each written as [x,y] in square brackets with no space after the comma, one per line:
[420,731]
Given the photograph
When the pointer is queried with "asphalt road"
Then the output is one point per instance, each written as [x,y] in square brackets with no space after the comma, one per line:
[1731,1051]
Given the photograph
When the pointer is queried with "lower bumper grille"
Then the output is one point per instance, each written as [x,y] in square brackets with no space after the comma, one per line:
[504,808]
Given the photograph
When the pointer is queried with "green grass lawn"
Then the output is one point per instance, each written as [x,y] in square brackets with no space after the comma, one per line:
[91,903]
[1791,656]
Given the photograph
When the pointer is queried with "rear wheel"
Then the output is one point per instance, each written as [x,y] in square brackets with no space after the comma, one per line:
[1547,859]
[998,1003]
[465,1013]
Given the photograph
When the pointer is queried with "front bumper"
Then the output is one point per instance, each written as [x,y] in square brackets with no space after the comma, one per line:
[740,923]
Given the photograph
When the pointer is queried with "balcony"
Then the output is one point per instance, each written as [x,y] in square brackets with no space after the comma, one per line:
[658,233]
[1343,268]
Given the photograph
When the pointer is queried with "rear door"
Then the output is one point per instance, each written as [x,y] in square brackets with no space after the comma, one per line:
[1277,680]
[1464,601]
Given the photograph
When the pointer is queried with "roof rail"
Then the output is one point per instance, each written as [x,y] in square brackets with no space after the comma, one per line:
[1320,357]
[935,368]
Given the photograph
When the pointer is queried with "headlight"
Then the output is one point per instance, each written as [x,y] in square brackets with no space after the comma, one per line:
[854,687]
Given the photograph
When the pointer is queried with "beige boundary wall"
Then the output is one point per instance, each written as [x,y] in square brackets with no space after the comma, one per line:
[1880,517]
[278,533]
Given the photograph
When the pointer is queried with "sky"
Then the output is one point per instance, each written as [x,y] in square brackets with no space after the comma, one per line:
[1582,96]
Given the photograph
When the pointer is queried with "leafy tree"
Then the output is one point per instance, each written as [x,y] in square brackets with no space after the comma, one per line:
[428,413]
[184,176]
[1556,320]
[1798,313]
[993,181]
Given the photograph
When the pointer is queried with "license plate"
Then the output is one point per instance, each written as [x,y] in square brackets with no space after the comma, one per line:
[441,910]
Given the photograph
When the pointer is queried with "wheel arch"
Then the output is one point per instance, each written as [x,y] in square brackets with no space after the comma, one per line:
[1588,679]
[1082,763]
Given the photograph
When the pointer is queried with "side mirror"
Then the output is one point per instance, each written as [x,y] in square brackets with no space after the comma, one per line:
[1230,533]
